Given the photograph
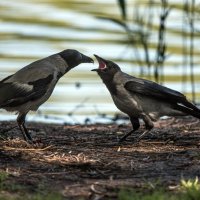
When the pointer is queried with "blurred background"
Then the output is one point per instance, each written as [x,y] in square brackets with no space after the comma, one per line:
[154,39]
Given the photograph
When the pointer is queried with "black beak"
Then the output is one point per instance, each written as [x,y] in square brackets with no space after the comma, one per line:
[86,59]
[99,59]
[95,70]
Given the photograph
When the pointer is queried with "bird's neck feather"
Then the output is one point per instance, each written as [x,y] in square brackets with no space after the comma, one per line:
[61,65]
[110,84]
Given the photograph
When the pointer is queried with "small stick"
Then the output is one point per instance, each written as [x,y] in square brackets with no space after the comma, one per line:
[23,149]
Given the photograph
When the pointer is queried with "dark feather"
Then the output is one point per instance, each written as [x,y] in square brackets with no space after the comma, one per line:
[153,90]
[9,91]
[14,94]
[41,82]
[21,100]
[111,87]
[189,111]
[6,78]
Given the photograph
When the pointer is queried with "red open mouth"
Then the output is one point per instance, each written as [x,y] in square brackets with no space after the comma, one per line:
[102,65]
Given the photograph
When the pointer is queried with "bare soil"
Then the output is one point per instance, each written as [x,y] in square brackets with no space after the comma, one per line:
[85,161]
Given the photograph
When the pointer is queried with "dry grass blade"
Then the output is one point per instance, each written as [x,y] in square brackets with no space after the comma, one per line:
[25,149]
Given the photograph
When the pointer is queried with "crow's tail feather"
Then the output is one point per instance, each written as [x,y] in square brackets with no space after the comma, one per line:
[194,112]
[186,103]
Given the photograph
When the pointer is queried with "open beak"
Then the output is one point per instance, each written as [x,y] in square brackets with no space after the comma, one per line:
[102,63]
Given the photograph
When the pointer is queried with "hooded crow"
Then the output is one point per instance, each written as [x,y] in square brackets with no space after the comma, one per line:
[140,98]
[32,85]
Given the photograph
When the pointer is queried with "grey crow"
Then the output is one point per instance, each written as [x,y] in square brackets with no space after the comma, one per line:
[32,85]
[140,98]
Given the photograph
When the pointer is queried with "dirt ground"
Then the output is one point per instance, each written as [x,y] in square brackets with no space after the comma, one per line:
[85,161]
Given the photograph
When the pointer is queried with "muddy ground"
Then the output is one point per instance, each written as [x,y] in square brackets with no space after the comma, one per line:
[87,162]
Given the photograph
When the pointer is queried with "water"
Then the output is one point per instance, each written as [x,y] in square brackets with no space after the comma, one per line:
[30,30]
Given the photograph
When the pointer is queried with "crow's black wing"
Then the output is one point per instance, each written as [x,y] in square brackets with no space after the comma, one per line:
[16,93]
[154,90]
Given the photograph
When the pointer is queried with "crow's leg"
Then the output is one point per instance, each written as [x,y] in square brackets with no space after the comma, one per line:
[135,124]
[21,123]
[148,124]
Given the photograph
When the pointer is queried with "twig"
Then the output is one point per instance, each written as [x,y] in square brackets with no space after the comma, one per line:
[95,191]
[184,48]
[48,173]
[24,149]
[161,48]
[81,104]
[191,22]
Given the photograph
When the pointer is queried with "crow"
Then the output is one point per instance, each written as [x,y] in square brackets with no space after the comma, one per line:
[142,99]
[32,85]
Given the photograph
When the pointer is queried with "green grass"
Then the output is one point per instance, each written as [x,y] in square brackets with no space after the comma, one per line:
[50,196]
[188,190]
[191,189]
[14,191]
[3,177]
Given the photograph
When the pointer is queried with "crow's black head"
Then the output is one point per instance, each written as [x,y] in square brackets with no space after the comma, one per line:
[74,57]
[107,68]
